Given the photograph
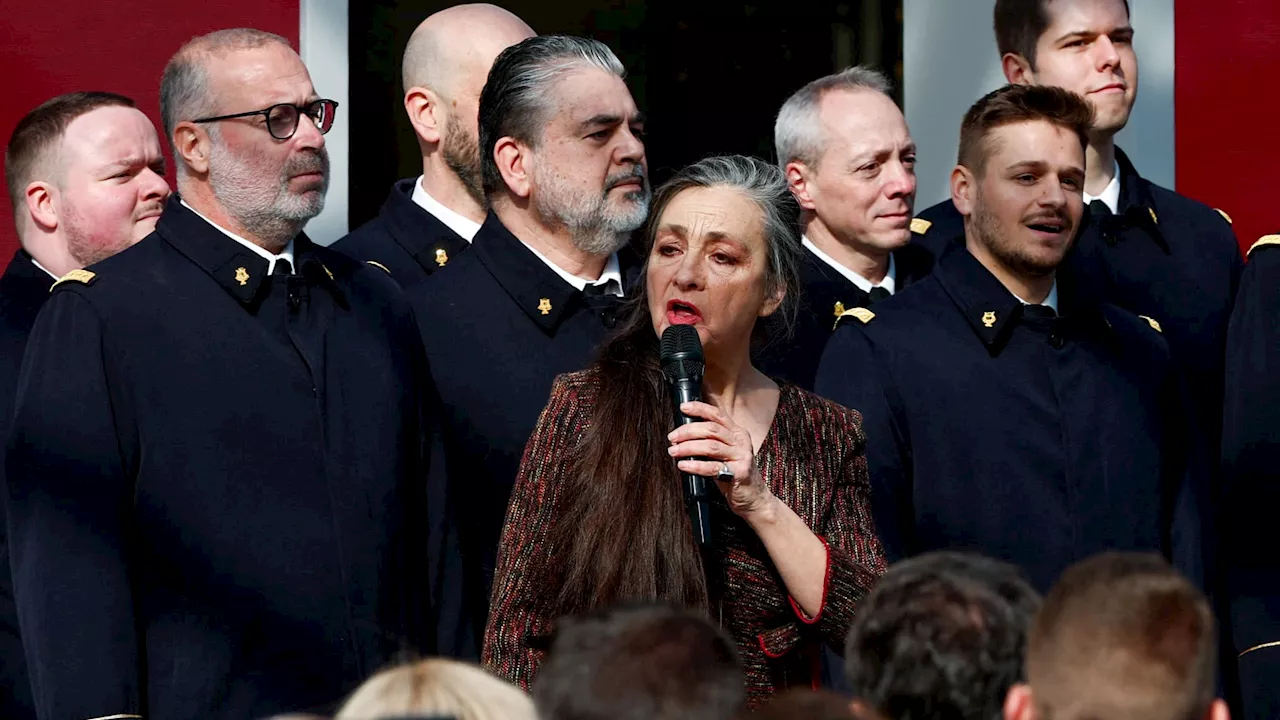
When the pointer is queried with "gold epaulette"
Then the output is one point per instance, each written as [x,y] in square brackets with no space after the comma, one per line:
[920,226]
[1263,646]
[861,313]
[378,265]
[80,276]
[1152,322]
[1224,216]
[1264,240]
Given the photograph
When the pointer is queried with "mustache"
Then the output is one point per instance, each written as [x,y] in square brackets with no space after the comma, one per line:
[308,161]
[635,173]
[1060,218]
[153,207]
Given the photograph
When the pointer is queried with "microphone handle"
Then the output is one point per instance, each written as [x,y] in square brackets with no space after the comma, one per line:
[697,499]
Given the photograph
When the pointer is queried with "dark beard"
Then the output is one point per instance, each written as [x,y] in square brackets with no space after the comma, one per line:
[461,153]
[1008,253]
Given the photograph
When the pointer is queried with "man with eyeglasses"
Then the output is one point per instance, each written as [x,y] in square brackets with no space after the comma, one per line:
[216,468]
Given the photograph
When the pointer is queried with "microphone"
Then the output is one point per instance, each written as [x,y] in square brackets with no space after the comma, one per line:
[683,364]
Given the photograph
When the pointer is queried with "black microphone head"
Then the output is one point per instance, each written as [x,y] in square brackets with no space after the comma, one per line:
[682,353]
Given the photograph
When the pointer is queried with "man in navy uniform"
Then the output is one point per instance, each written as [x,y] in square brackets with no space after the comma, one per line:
[215,467]
[1005,411]
[1251,474]
[849,159]
[86,180]
[564,172]
[428,220]
[1145,248]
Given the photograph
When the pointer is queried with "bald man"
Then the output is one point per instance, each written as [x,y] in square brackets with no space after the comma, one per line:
[426,221]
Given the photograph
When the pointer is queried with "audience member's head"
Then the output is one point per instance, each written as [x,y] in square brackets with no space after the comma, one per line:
[560,142]
[940,637]
[86,179]
[445,65]
[437,688]
[804,704]
[848,156]
[640,663]
[1085,46]
[247,130]
[1019,180]
[1122,636]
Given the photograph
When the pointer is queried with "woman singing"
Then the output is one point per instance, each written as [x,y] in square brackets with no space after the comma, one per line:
[597,515]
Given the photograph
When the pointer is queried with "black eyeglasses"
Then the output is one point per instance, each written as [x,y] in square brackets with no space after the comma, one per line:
[282,119]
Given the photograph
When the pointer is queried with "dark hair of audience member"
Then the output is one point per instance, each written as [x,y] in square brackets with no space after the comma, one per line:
[40,130]
[1019,25]
[803,704]
[624,535]
[640,663]
[1014,104]
[1123,636]
[940,637]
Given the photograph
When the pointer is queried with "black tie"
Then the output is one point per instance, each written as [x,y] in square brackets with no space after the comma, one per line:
[601,299]
[282,268]
[1038,312]
[1098,209]
[877,294]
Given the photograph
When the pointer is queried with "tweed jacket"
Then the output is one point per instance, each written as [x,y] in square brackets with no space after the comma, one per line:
[812,458]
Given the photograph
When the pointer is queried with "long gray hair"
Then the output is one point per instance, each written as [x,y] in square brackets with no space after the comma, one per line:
[622,460]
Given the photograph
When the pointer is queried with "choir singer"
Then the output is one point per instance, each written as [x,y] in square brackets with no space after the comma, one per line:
[598,517]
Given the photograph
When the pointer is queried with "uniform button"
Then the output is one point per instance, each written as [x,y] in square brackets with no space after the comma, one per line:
[1056,342]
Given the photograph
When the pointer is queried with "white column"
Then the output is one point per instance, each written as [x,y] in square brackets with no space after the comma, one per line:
[950,60]
[323,40]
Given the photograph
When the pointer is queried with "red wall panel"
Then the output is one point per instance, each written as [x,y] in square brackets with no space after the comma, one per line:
[1228,137]
[49,48]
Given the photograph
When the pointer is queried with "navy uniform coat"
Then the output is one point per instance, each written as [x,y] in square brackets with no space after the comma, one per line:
[1251,470]
[1163,255]
[1040,442]
[499,326]
[215,480]
[404,238]
[23,290]
[825,295]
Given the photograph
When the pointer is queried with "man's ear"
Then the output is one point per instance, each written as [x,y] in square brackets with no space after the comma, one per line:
[964,188]
[1218,711]
[192,146]
[513,160]
[426,114]
[799,177]
[1018,703]
[42,205]
[1017,70]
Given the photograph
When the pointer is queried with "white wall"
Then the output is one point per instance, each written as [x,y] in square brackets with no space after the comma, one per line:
[323,41]
[950,60]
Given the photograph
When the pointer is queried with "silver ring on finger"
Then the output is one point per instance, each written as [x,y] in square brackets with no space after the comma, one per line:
[725,474]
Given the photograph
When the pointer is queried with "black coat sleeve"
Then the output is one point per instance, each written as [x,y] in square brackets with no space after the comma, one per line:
[69,501]
[852,374]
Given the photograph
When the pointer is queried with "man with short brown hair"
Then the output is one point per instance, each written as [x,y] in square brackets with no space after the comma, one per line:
[1006,412]
[86,179]
[1122,636]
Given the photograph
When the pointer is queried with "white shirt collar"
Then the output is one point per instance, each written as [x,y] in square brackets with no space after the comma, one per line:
[286,254]
[612,272]
[464,226]
[1110,194]
[890,281]
[1050,300]
[36,262]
